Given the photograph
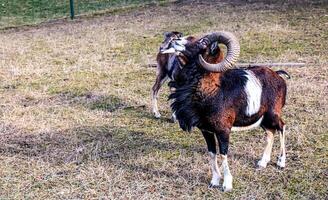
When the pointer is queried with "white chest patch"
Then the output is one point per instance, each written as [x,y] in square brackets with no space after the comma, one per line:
[253,91]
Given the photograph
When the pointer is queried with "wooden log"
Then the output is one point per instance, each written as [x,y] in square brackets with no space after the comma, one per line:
[289,64]
[152,65]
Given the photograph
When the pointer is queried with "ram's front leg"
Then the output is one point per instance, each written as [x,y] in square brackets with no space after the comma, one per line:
[223,138]
[160,79]
[211,145]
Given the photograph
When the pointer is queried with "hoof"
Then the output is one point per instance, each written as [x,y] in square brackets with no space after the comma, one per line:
[157,115]
[211,186]
[215,182]
[227,184]
[261,164]
[280,168]
[281,163]
[259,168]
[226,189]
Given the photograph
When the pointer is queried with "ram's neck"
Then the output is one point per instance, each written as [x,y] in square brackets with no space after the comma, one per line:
[209,84]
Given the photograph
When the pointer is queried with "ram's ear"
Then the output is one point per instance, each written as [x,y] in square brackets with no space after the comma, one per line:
[214,48]
[166,34]
[178,34]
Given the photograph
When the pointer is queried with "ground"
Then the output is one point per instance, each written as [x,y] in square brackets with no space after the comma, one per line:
[75,120]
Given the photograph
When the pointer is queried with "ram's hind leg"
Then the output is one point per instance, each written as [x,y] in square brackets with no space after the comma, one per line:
[266,157]
[273,121]
[282,155]
[211,145]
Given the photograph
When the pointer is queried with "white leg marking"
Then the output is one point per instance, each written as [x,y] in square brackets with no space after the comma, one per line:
[227,177]
[216,175]
[253,91]
[244,128]
[155,107]
[282,155]
[154,96]
[267,150]
[174,117]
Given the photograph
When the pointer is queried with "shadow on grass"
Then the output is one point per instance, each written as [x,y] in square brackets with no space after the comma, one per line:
[112,103]
[94,142]
[92,101]
[110,145]
[116,145]
[106,103]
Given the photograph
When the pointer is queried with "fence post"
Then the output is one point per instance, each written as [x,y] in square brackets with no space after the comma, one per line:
[71,5]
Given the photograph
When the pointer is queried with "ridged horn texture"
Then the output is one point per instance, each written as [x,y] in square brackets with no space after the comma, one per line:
[233,50]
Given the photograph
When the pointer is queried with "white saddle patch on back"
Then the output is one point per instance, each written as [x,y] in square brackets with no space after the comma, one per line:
[253,91]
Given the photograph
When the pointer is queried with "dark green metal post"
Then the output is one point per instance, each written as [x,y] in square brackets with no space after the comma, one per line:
[71,5]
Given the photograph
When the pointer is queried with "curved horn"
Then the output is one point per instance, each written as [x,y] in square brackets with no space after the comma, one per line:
[233,50]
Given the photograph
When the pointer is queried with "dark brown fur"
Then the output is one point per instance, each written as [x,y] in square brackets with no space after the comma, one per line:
[219,102]
[163,68]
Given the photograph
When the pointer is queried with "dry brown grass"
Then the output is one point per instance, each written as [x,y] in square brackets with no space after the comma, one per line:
[74,107]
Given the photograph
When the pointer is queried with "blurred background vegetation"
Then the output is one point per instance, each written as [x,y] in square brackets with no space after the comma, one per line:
[26,12]
[15,13]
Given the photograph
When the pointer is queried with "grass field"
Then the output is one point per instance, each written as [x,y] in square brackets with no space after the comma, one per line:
[75,119]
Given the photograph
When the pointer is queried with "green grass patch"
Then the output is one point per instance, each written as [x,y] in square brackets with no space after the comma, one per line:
[20,12]
[25,12]
[76,84]
[269,44]
[109,103]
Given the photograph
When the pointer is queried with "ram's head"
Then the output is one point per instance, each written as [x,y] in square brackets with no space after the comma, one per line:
[169,37]
[204,48]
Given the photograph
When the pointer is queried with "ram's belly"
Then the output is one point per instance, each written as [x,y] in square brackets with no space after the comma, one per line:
[244,120]
[247,126]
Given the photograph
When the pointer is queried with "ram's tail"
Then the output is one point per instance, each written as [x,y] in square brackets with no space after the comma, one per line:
[283,73]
